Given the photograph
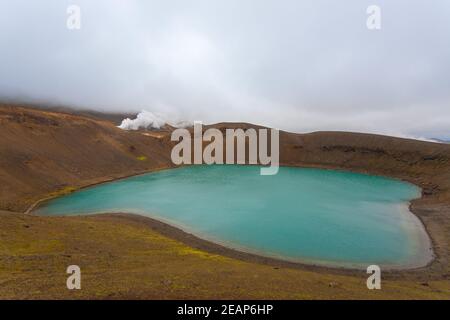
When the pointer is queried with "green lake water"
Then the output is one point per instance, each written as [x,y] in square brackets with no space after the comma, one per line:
[314,216]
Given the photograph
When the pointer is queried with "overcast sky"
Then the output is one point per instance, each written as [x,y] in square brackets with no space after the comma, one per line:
[295,65]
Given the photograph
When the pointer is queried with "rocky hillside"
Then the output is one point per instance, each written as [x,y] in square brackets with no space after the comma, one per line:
[44,152]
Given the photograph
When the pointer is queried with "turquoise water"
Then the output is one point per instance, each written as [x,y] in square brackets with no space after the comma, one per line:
[306,215]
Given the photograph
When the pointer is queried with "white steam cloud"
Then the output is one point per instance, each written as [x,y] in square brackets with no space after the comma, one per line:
[149,120]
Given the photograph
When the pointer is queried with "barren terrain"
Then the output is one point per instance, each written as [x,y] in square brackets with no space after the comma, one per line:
[45,154]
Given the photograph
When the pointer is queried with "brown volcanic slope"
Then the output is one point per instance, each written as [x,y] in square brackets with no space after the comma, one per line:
[46,153]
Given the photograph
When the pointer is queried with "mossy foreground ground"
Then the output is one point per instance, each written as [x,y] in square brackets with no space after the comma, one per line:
[125,259]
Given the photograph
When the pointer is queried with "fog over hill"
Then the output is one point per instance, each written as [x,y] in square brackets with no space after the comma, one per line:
[295,65]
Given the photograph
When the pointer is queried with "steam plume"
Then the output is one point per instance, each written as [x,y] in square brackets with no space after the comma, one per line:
[149,120]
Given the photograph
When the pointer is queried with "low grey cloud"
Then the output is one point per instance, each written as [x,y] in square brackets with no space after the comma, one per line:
[295,65]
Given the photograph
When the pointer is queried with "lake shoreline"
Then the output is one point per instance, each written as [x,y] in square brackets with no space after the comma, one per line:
[173,232]
[177,233]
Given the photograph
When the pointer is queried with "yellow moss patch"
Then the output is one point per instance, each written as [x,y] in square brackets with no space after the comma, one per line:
[141,158]
[63,191]
[32,247]
[185,251]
